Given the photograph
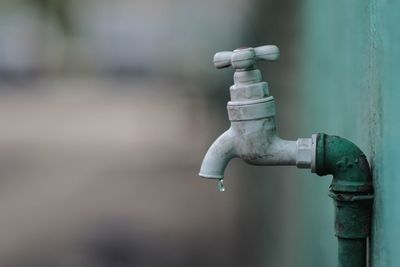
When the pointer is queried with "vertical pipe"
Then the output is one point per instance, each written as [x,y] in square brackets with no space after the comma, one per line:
[352,252]
[352,227]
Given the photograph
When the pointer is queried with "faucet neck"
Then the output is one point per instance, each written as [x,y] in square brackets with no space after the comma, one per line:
[248,86]
[247,76]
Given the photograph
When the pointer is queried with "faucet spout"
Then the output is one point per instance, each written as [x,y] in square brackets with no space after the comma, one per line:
[218,156]
[256,143]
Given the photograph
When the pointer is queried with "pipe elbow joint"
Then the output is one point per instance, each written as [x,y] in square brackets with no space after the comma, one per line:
[351,187]
[345,161]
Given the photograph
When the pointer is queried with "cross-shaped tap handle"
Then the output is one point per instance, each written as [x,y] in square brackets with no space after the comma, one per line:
[246,57]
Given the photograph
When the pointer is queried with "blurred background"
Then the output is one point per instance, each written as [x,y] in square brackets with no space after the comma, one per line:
[108,107]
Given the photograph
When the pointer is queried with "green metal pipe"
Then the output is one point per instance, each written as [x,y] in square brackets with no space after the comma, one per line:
[352,193]
[352,252]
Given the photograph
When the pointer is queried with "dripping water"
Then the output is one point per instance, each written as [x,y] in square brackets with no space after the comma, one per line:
[221,186]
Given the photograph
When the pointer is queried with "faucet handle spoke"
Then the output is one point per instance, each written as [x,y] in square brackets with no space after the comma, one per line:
[245,57]
[267,52]
[222,59]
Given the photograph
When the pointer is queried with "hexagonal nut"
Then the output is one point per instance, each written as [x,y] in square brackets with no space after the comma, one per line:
[304,152]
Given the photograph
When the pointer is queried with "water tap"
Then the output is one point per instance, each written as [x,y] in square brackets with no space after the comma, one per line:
[252,135]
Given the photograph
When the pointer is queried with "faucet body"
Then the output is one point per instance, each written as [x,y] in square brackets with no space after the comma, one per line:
[252,135]
[255,142]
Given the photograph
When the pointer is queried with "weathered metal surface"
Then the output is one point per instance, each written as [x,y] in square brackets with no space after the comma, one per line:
[252,137]
[352,193]
[345,161]
[245,57]
[251,110]
[352,216]
[351,252]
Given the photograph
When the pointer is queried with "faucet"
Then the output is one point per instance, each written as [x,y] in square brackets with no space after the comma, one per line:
[252,135]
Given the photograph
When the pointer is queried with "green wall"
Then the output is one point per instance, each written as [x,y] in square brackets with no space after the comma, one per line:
[349,72]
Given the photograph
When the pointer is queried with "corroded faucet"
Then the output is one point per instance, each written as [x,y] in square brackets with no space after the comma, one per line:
[252,135]
[253,138]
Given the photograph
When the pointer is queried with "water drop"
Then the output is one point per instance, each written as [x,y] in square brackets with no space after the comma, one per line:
[221,186]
